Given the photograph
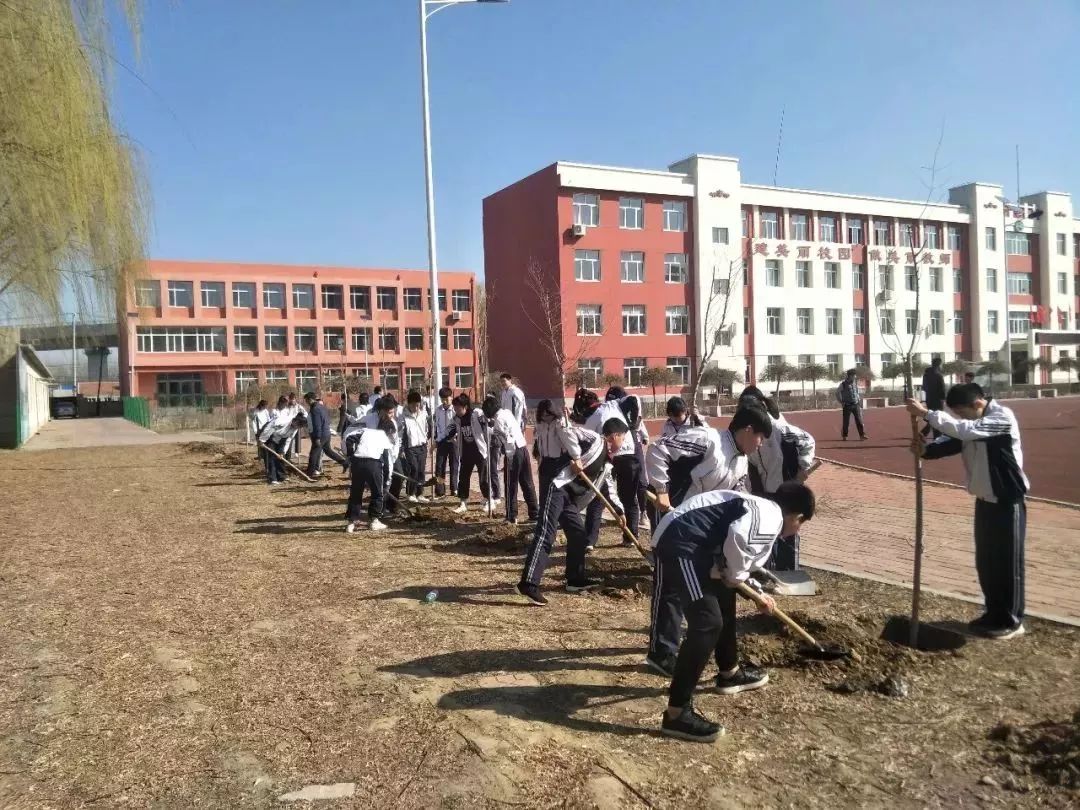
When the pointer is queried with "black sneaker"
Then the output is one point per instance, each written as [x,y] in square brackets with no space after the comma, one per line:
[1003,633]
[691,726]
[589,550]
[662,664]
[583,585]
[981,624]
[628,543]
[744,679]
[532,593]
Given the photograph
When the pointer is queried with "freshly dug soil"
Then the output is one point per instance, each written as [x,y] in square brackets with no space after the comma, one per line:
[1049,750]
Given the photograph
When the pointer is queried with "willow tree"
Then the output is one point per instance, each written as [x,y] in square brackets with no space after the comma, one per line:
[71,200]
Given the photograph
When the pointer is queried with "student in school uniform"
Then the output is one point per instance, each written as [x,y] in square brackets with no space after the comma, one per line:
[363,406]
[384,412]
[470,437]
[319,426]
[554,437]
[507,427]
[413,427]
[259,417]
[296,446]
[567,495]
[370,452]
[444,429]
[703,549]
[277,434]
[512,398]
[987,436]
[625,467]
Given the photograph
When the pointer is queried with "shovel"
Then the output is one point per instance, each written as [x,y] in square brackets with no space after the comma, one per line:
[790,583]
[622,525]
[284,460]
[814,649]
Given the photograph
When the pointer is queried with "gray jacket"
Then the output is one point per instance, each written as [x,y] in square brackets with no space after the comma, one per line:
[848,393]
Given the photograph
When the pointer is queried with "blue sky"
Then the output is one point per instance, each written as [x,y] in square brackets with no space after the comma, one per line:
[289,131]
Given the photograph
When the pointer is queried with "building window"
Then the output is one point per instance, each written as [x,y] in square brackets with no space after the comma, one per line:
[680,367]
[274,338]
[461,300]
[243,295]
[721,286]
[442,299]
[333,339]
[888,321]
[803,275]
[805,319]
[774,273]
[674,216]
[886,359]
[1017,244]
[304,338]
[774,321]
[273,296]
[360,298]
[832,275]
[937,322]
[930,237]
[415,378]
[361,338]
[591,368]
[911,321]
[444,339]
[858,276]
[1019,323]
[860,360]
[832,363]
[858,320]
[882,233]
[828,228]
[991,279]
[391,378]
[388,339]
[586,265]
[800,230]
[632,368]
[332,296]
[884,274]
[720,236]
[1019,283]
[589,319]
[774,360]
[277,376]
[414,339]
[303,296]
[386,298]
[245,338]
[180,294]
[832,322]
[958,322]
[412,298]
[854,231]
[245,380]
[675,268]
[992,322]
[181,339]
[179,389]
[804,360]
[1076,245]
[632,266]
[306,380]
[953,232]
[907,234]
[1063,283]
[631,213]
[746,320]
[463,339]
[911,278]
[676,321]
[770,225]
[147,294]
[957,280]
[213,294]
[586,209]
[633,319]
[991,238]
[935,279]
[746,224]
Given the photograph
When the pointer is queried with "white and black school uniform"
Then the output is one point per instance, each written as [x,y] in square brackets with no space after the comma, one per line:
[788,450]
[567,495]
[370,453]
[446,449]
[507,428]
[258,419]
[513,400]
[470,438]
[277,434]
[394,483]
[625,469]
[732,530]
[552,443]
[413,428]
[994,463]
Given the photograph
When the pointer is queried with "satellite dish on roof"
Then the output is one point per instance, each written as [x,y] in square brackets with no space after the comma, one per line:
[1018,226]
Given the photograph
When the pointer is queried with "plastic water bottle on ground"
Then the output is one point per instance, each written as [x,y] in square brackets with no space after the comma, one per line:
[430,597]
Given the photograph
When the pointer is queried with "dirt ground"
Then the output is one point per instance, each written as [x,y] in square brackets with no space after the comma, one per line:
[177,634]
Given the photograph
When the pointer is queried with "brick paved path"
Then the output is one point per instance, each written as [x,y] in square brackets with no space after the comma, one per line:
[865,525]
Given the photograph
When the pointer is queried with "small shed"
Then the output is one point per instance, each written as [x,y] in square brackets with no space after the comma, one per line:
[25,383]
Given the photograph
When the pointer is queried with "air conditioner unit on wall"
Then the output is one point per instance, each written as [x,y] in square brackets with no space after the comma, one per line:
[455,317]
[580,230]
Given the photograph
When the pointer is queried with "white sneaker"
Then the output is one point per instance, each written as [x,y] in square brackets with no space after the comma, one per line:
[462,509]
[495,503]
[350,529]
[377,525]
[412,499]
[421,499]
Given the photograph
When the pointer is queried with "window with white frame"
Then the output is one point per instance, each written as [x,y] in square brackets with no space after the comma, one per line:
[361,338]
[930,235]
[591,368]
[243,294]
[937,322]
[991,238]
[724,336]
[181,339]
[414,339]
[388,338]
[1017,244]
[213,294]
[589,319]
[1063,283]
[304,338]
[827,227]
[631,213]
[746,223]
[800,228]
[858,322]
[1062,245]
[680,367]
[586,209]
[832,275]
[958,322]
[832,322]
[953,232]
[586,265]
[805,318]
[911,278]
[935,279]
[774,360]
[911,321]
[746,320]
[676,320]
[882,233]
[632,368]
[333,338]
[992,322]
[887,320]
[463,377]
[884,276]
[274,338]
[858,276]
[907,234]
[306,379]
[633,319]
[957,280]
[805,360]
[461,300]
[855,231]
[147,293]
[860,360]
[675,268]
[386,298]
[463,338]
[991,279]
[887,358]
[444,339]
[303,296]
[770,225]
[803,275]
[245,380]
[720,236]
[245,338]
[774,320]
[441,295]
[180,294]
[774,273]
[632,267]
[674,215]
[391,378]
[832,363]
[275,376]
[360,297]
[1019,283]
[721,286]
[333,297]
[415,378]
[1019,322]
[412,299]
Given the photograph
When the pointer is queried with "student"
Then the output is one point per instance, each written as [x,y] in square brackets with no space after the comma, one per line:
[446,451]
[297,445]
[847,394]
[987,436]
[681,466]
[933,388]
[512,398]
[703,549]
[363,406]
[626,468]
[470,438]
[567,495]
[370,452]
[259,417]
[277,434]
[554,440]
[413,427]
[382,414]
[319,421]
[969,377]
[507,427]
[679,417]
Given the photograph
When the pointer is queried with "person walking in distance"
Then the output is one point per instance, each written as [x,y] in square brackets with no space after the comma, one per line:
[933,386]
[413,427]
[446,451]
[847,394]
[319,422]
[512,398]
[470,437]
[507,428]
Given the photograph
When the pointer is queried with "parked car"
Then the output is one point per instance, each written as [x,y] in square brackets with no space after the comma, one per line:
[65,409]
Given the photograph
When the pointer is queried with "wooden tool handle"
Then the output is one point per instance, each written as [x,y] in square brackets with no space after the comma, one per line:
[750,593]
[611,508]
[284,460]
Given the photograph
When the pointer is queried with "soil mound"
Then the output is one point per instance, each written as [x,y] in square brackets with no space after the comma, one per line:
[1049,750]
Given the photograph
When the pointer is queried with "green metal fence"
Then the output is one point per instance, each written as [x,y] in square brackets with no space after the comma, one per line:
[137,410]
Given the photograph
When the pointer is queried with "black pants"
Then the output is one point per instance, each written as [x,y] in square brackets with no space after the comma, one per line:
[415,467]
[548,469]
[785,554]
[495,454]
[560,511]
[397,483]
[275,469]
[367,473]
[296,446]
[471,460]
[318,447]
[519,475]
[849,411]
[446,454]
[1000,529]
[627,475]
[710,621]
